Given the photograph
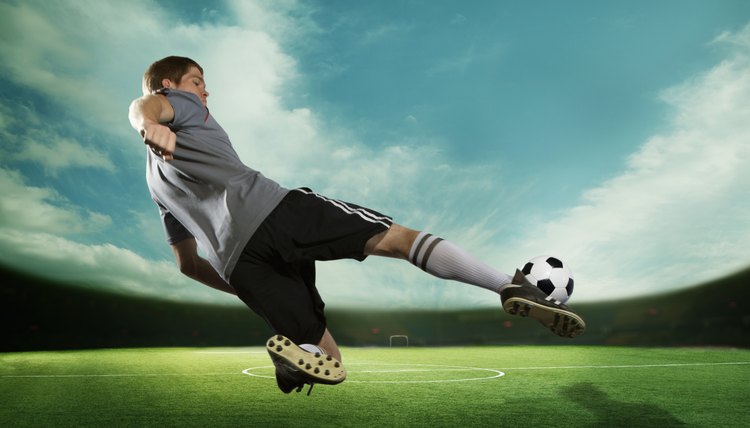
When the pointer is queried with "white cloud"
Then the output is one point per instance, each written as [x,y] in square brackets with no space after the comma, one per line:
[49,48]
[58,153]
[732,40]
[248,74]
[43,209]
[35,228]
[97,266]
[24,136]
[678,213]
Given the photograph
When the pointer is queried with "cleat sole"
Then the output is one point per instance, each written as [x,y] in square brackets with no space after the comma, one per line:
[314,367]
[561,322]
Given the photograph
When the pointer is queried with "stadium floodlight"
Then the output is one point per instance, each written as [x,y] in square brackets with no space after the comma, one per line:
[399,336]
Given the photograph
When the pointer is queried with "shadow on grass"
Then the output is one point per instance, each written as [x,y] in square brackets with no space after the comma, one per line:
[610,413]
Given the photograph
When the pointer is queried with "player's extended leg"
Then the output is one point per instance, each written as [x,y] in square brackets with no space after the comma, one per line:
[445,260]
[436,256]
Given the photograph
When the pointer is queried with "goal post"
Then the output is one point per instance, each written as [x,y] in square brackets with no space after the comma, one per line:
[399,336]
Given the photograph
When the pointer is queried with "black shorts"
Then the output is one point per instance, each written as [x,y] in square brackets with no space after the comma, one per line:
[275,274]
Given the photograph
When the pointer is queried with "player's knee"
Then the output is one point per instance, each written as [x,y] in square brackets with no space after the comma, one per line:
[395,242]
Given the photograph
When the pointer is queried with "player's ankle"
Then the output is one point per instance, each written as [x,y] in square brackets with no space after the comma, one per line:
[502,287]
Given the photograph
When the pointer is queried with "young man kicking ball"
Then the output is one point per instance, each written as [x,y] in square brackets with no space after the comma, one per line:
[261,241]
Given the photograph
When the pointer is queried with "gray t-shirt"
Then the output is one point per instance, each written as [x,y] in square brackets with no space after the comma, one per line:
[206,192]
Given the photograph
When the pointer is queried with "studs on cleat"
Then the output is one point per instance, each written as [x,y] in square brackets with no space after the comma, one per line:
[556,321]
[519,309]
[552,315]
[524,310]
[514,310]
[298,367]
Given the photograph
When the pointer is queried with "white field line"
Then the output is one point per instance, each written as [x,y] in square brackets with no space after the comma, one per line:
[121,375]
[418,370]
[630,366]
[436,368]
[621,366]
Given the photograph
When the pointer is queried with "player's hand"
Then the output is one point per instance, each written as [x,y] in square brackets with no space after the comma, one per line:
[160,139]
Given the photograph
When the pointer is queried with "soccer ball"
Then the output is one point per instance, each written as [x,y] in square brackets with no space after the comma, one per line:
[551,275]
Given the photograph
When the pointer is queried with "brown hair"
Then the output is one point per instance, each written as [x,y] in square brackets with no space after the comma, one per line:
[171,67]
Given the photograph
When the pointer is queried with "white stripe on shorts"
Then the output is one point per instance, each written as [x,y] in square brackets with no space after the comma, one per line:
[362,212]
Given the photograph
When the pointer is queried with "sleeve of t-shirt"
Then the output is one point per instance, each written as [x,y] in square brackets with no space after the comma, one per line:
[188,109]
[174,230]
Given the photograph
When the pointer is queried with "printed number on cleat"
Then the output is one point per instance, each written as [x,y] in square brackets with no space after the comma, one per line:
[562,323]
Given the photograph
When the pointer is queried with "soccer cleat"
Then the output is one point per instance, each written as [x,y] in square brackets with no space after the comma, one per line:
[296,367]
[523,299]
[288,380]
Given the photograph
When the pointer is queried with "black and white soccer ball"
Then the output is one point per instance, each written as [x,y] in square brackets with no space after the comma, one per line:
[551,275]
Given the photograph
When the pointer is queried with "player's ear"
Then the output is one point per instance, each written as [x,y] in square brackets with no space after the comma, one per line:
[166,83]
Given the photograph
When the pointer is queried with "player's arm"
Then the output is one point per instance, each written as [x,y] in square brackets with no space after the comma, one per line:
[196,267]
[146,115]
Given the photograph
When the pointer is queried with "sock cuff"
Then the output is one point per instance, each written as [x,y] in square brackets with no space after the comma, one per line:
[312,348]
[422,248]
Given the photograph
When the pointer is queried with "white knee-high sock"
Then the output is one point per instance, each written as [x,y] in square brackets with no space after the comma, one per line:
[445,260]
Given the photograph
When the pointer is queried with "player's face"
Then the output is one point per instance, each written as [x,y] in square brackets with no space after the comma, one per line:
[192,81]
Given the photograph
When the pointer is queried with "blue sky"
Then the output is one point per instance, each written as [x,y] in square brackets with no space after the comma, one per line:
[610,134]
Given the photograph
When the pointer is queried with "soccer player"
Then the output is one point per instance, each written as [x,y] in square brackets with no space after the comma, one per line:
[261,240]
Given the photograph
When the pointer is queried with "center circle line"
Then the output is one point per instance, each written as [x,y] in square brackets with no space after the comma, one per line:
[439,367]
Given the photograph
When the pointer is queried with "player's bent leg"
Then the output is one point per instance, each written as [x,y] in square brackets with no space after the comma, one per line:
[524,299]
[297,367]
[329,345]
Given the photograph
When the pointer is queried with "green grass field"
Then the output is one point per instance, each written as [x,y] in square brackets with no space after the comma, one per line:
[563,386]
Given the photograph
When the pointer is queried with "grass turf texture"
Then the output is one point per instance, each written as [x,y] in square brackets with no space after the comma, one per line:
[562,386]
